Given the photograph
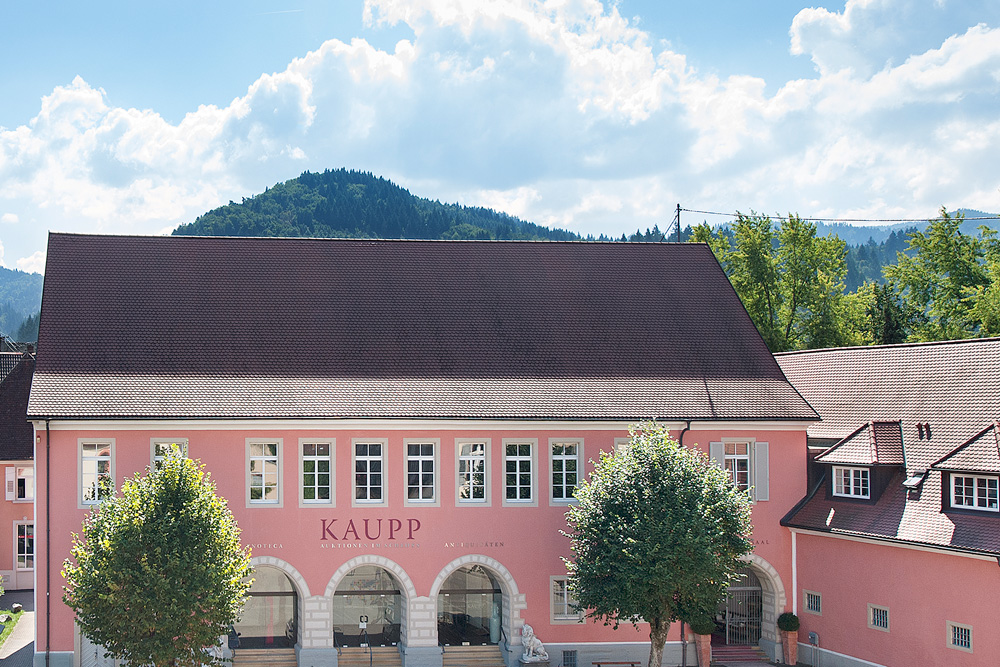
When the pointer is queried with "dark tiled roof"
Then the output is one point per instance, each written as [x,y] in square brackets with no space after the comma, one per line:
[980,454]
[16,434]
[942,394]
[875,443]
[207,327]
[8,360]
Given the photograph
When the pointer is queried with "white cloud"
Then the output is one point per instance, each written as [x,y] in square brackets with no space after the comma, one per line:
[9,218]
[34,263]
[560,112]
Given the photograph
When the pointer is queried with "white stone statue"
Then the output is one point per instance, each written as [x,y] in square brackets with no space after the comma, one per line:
[534,651]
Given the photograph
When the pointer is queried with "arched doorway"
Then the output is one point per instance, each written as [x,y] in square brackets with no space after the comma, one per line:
[739,616]
[270,615]
[368,595]
[470,604]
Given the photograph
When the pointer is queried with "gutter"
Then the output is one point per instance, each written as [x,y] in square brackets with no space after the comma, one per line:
[48,543]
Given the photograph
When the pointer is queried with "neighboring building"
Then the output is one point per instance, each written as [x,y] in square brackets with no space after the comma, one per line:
[399,425]
[897,543]
[17,515]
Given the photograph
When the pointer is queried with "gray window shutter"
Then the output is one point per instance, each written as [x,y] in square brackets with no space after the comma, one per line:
[717,452]
[760,487]
[9,484]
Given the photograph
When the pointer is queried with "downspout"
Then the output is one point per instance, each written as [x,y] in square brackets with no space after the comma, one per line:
[680,441]
[48,541]
[795,574]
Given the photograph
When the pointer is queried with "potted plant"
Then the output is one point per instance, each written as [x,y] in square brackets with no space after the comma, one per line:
[788,625]
[703,628]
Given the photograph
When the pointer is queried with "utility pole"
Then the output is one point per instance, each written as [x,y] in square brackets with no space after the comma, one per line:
[678,223]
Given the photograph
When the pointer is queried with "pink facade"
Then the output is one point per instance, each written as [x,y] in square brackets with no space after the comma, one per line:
[17,514]
[519,543]
[922,589]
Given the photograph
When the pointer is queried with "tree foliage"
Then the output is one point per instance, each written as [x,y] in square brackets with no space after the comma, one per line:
[158,573]
[657,534]
[789,279]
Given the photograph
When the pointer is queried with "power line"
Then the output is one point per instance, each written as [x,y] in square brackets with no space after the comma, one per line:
[803,217]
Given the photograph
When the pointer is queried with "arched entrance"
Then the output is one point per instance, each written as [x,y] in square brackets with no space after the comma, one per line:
[740,615]
[470,608]
[368,595]
[270,615]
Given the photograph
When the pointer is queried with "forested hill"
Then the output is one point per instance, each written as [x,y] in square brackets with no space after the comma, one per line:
[354,204]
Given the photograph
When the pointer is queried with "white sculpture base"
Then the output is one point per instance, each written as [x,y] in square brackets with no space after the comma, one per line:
[533,662]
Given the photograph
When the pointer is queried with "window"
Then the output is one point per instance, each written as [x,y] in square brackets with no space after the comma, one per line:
[21,483]
[472,479]
[565,464]
[975,492]
[563,605]
[96,480]
[25,546]
[161,448]
[746,461]
[519,479]
[264,472]
[878,617]
[569,659]
[738,464]
[369,472]
[421,477]
[316,476]
[851,482]
[813,602]
[960,636]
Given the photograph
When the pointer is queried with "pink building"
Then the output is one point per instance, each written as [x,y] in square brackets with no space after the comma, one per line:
[399,425]
[17,511]
[898,539]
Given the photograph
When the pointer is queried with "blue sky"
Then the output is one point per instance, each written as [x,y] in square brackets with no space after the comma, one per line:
[596,117]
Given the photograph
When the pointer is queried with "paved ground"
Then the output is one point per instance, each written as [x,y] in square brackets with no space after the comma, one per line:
[19,648]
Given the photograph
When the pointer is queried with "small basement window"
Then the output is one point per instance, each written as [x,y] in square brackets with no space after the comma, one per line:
[878,617]
[960,636]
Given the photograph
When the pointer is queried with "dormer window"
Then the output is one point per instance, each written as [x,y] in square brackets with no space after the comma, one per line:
[851,482]
[975,492]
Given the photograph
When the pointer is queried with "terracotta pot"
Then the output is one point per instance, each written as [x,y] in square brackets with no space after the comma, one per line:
[704,645]
[790,646]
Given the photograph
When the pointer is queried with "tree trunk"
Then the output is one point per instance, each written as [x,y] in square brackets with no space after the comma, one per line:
[658,630]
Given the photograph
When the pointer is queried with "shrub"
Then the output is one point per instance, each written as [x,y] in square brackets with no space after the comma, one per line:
[788,622]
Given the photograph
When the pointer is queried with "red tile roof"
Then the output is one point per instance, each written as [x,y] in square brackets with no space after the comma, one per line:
[941,395]
[980,454]
[255,327]
[875,443]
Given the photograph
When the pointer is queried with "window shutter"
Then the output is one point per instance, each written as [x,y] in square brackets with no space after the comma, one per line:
[10,483]
[760,482]
[717,452]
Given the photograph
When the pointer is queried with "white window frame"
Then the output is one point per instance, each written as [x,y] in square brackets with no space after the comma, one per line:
[154,458]
[18,475]
[561,601]
[331,458]
[576,459]
[82,502]
[461,477]
[853,488]
[532,461]
[17,551]
[950,627]
[879,609]
[384,472]
[976,479]
[806,607]
[251,457]
[434,460]
[735,459]
[759,464]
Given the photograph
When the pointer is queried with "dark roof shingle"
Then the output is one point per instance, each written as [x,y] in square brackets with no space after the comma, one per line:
[265,327]
[16,434]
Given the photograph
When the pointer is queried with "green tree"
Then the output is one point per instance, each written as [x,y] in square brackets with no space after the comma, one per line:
[657,534]
[159,573]
[940,279]
[789,279]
